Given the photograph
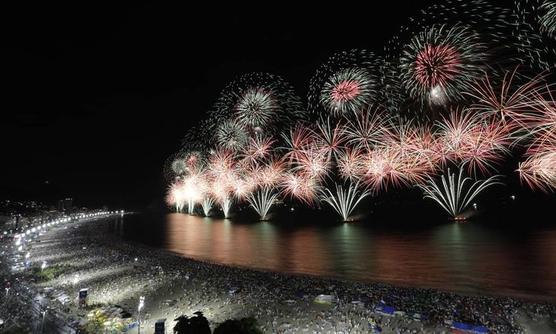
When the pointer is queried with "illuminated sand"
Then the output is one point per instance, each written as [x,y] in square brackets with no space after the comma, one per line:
[174,286]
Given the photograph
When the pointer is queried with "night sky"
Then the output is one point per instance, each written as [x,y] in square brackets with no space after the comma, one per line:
[96,97]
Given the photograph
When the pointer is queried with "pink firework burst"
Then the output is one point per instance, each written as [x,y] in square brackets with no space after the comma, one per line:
[382,167]
[258,149]
[221,163]
[330,138]
[242,185]
[540,123]
[435,65]
[345,90]
[455,133]
[350,163]
[365,131]
[507,102]
[538,171]
[487,147]
[348,90]
[300,187]
[300,138]
[271,174]
[313,163]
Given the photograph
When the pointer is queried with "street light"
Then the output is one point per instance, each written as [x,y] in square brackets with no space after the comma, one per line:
[141,304]
[75,279]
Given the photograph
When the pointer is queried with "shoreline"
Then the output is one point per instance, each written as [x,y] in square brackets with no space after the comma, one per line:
[285,298]
[525,298]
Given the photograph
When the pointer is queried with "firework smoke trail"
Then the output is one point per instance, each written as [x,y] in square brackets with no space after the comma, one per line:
[207,205]
[262,200]
[344,201]
[441,63]
[452,194]
[345,84]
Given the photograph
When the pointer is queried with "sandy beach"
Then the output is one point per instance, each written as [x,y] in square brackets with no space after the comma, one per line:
[118,273]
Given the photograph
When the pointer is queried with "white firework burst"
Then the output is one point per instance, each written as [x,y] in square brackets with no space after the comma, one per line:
[262,201]
[453,194]
[344,200]
[256,108]
[231,135]
[207,205]
[547,17]
[179,166]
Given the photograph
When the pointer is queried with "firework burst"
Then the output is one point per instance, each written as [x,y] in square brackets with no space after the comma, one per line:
[347,91]
[366,130]
[300,187]
[383,167]
[259,103]
[535,32]
[231,135]
[351,164]
[453,193]
[344,201]
[538,171]
[179,166]
[258,149]
[441,63]
[508,101]
[345,84]
[262,200]
[256,108]
[207,204]
[329,138]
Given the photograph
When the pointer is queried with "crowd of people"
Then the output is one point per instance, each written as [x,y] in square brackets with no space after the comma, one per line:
[117,272]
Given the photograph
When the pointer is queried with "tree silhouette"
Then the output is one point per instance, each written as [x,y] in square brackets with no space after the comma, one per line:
[241,326]
[197,324]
